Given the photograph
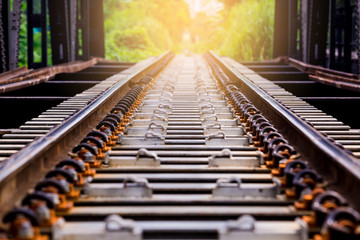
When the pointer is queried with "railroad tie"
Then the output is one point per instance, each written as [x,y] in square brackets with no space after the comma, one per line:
[184,154]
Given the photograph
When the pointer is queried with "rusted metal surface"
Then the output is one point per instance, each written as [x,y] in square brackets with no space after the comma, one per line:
[313,68]
[327,76]
[342,80]
[5,76]
[194,141]
[338,77]
[343,172]
[26,167]
[21,78]
[348,84]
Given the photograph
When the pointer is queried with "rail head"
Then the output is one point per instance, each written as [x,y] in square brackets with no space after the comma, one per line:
[339,167]
[31,152]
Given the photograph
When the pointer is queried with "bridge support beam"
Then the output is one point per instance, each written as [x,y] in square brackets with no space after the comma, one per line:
[36,22]
[281,28]
[77,29]
[9,34]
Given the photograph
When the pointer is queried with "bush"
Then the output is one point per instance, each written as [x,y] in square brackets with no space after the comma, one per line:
[243,32]
[250,31]
[138,29]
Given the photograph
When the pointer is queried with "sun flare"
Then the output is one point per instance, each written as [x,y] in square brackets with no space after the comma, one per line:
[138,29]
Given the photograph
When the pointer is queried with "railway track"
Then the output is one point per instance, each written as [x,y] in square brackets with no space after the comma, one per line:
[183,147]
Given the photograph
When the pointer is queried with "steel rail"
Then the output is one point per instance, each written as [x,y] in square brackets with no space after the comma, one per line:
[17,171]
[341,170]
[184,144]
[18,79]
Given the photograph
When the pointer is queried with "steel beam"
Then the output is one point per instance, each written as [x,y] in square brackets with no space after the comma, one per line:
[36,20]
[9,34]
[14,34]
[293,25]
[281,28]
[62,31]
[82,32]
[96,35]
[318,26]
[4,41]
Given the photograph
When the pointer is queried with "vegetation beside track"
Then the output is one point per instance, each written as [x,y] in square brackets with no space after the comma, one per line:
[242,30]
[138,29]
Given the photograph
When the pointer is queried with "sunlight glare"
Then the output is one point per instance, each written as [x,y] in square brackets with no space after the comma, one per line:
[209,7]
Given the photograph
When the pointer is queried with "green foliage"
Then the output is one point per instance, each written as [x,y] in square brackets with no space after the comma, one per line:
[250,31]
[23,37]
[138,29]
[131,44]
[37,39]
[243,32]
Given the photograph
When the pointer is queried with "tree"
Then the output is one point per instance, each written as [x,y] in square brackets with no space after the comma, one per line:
[138,29]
